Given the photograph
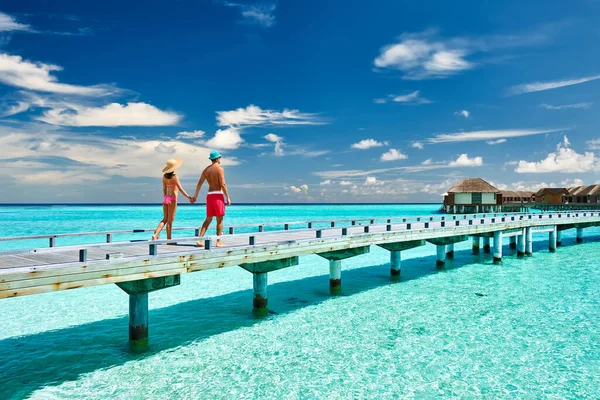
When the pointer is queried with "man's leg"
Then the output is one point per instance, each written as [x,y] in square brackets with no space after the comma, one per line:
[219,230]
[205,226]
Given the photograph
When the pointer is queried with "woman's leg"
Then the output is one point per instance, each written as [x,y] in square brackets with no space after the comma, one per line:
[172,210]
[161,224]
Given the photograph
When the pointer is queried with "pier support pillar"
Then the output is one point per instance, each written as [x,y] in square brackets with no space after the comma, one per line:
[395,257]
[259,272]
[521,244]
[579,235]
[476,242]
[528,241]
[450,251]
[512,242]
[395,260]
[138,320]
[138,306]
[335,265]
[558,238]
[486,244]
[335,275]
[441,255]
[498,247]
[260,300]
[552,240]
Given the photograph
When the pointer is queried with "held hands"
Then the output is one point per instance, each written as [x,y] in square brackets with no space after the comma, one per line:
[228,201]
[192,200]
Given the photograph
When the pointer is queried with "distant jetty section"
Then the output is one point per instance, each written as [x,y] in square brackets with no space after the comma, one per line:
[474,195]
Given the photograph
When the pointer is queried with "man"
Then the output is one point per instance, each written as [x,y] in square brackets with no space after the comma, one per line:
[215,199]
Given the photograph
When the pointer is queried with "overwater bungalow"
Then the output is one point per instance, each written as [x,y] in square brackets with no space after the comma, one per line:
[474,195]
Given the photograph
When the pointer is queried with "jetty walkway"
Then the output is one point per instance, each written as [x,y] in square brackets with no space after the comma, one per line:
[142,266]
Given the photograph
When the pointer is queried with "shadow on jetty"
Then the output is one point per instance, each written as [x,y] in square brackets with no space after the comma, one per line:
[31,362]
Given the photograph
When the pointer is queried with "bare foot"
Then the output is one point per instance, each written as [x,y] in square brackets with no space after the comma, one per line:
[219,244]
[200,243]
[154,237]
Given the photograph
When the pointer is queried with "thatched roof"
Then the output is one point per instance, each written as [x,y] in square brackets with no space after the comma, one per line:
[591,190]
[510,193]
[544,191]
[473,185]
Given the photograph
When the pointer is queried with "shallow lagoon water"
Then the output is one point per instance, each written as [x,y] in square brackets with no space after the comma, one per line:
[534,334]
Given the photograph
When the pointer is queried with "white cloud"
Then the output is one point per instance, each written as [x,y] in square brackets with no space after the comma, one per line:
[410,98]
[162,148]
[271,137]
[191,135]
[15,71]
[367,144]
[425,55]
[325,183]
[345,183]
[279,149]
[464,113]
[20,107]
[564,159]
[393,155]
[427,162]
[255,116]
[593,144]
[111,115]
[259,14]
[225,139]
[566,106]
[68,154]
[464,161]
[9,24]
[540,86]
[420,56]
[487,135]
[372,181]
[417,145]
[493,142]
[302,189]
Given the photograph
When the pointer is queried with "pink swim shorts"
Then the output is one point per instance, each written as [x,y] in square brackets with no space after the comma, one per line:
[215,205]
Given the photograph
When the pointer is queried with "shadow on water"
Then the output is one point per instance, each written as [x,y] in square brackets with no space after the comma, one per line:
[29,363]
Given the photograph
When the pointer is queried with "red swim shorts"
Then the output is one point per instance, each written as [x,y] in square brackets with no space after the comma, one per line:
[215,205]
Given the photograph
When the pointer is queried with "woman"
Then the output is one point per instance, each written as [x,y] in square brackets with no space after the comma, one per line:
[171,186]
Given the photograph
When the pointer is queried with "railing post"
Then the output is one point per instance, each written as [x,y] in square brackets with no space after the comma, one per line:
[82,255]
[108,238]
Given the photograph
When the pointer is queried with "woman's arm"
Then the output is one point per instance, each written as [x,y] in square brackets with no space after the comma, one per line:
[183,192]
[164,186]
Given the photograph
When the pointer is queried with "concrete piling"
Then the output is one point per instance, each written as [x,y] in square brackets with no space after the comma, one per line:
[579,235]
[558,238]
[441,256]
[138,321]
[260,299]
[521,245]
[512,242]
[450,251]
[498,247]
[335,275]
[395,260]
[552,240]
[476,243]
[528,241]
[486,245]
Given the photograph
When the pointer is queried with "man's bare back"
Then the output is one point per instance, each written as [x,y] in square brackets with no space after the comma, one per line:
[214,175]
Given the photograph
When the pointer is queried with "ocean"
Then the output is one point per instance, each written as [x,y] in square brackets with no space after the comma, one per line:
[528,328]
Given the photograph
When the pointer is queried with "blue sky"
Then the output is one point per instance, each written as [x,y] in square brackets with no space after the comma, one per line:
[312,101]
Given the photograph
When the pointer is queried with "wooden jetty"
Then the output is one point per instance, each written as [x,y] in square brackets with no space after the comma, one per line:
[142,266]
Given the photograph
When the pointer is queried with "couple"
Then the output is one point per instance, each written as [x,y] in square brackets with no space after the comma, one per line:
[215,199]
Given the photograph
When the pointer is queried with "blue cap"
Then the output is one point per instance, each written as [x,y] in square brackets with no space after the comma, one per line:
[214,155]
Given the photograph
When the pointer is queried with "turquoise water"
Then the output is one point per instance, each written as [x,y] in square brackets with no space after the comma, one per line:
[534,334]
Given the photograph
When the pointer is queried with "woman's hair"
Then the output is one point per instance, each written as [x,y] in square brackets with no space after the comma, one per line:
[169,175]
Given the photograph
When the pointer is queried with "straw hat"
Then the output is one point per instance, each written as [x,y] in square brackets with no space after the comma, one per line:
[172,165]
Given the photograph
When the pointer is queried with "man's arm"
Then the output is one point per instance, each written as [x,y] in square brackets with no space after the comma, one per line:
[199,185]
[224,185]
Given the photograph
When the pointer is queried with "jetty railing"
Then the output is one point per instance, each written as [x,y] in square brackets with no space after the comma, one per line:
[140,267]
